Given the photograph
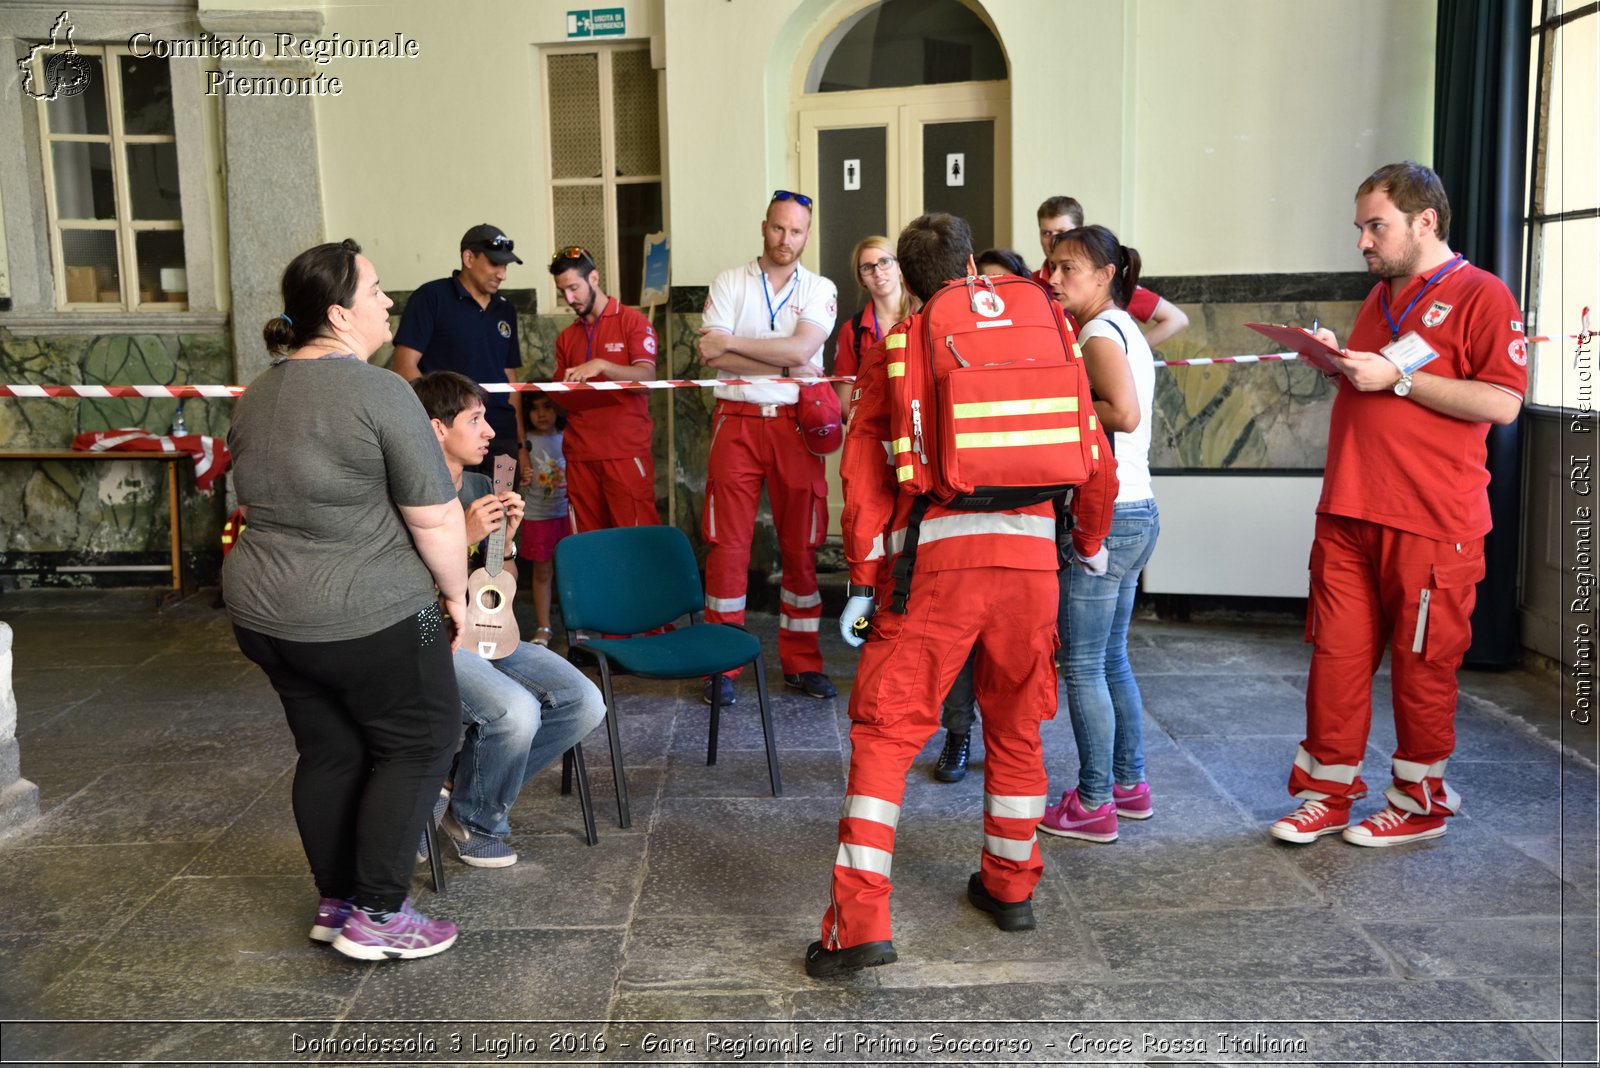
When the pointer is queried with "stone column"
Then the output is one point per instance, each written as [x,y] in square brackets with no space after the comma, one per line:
[274,190]
[19,798]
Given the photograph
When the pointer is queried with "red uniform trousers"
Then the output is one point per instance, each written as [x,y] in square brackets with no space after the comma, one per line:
[906,667]
[602,494]
[1372,586]
[746,450]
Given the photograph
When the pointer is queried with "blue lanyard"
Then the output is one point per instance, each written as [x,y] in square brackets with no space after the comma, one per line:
[1383,296]
[772,313]
[877,332]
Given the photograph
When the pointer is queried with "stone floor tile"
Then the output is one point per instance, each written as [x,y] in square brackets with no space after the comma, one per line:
[1531,697]
[33,962]
[1228,705]
[1449,949]
[158,802]
[94,653]
[203,671]
[1200,649]
[1560,1015]
[47,692]
[1487,732]
[797,722]
[59,773]
[739,857]
[1130,876]
[557,881]
[542,809]
[1572,856]
[201,949]
[498,975]
[744,773]
[719,951]
[1522,798]
[163,732]
[944,941]
[646,739]
[83,890]
[1187,804]
[1252,773]
[1467,873]
[121,733]
[109,1041]
[1241,943]
[263,840]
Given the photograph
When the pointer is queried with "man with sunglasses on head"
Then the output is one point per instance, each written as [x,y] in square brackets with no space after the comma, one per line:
[768,318]
[611,476]
[463,324]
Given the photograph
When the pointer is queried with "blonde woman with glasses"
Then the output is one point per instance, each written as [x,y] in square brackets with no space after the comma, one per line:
[885,301]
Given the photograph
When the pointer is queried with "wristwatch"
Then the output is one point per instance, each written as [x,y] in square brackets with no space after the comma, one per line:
[856,589]
[1403,387]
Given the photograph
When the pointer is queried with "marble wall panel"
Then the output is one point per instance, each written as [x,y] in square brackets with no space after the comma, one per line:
[107,512]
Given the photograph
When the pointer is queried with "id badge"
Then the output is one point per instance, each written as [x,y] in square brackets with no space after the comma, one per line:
[1408,353]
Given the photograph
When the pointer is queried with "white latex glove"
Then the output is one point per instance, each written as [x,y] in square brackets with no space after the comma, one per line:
[1092,565]
[853,621]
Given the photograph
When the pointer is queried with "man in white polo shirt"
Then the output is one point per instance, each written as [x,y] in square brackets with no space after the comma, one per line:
[767,318]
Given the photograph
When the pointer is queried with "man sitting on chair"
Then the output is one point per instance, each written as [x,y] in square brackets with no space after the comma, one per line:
[523,710]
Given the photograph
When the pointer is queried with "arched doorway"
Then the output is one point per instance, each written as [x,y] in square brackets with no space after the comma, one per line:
[905,110]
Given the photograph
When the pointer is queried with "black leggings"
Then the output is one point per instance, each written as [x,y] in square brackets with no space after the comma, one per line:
[376,721]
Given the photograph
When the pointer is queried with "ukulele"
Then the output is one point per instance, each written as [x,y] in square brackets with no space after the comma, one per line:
[491,629]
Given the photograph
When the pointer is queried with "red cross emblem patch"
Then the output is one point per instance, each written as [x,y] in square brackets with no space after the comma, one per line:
[1435,313]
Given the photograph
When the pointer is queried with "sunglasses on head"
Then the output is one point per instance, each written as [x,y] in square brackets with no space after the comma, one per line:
[501,242]
[572,252]
[783,194]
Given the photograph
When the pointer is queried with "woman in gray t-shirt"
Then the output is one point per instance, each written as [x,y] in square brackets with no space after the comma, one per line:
[352,523]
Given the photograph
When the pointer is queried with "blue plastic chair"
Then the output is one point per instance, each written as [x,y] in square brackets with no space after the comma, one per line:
[634,580]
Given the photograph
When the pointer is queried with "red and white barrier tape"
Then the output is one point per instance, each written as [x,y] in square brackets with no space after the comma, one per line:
[229,392]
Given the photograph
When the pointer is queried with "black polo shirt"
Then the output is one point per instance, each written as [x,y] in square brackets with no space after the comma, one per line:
[444,323]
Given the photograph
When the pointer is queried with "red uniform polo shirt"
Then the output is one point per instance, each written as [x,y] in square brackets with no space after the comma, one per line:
[1392,461]
[606,426]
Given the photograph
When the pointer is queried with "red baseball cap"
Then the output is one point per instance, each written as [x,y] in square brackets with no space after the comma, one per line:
[818,414]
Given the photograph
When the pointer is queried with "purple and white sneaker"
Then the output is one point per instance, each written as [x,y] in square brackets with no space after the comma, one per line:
[331,914]
[407,934]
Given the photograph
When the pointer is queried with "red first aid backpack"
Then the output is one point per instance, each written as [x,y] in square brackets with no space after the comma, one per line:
[989,398]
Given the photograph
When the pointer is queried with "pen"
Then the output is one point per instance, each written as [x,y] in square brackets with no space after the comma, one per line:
[1314,323]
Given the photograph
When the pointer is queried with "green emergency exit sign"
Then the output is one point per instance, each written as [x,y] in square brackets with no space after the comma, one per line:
[598,22]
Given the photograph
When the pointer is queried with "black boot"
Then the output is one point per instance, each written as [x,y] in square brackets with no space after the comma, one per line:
[821,963]
[952,763]
[1008,915]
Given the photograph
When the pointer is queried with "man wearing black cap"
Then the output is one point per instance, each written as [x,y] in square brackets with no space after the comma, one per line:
[462,324]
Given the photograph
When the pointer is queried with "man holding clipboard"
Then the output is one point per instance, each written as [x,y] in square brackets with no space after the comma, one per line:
[1437,353]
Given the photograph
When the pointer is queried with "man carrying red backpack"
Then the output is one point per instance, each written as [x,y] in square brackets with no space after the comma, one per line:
[956,564]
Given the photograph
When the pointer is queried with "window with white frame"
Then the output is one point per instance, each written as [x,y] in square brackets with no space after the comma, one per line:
[605,158]
[1563,258]
[110,156]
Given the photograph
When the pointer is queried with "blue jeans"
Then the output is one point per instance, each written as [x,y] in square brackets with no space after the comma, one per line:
[1102,696]
[521,712]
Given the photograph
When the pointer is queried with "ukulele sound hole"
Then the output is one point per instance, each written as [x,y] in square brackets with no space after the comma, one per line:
[490,599]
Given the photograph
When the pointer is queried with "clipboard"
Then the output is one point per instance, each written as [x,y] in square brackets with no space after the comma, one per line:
[1300,342]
